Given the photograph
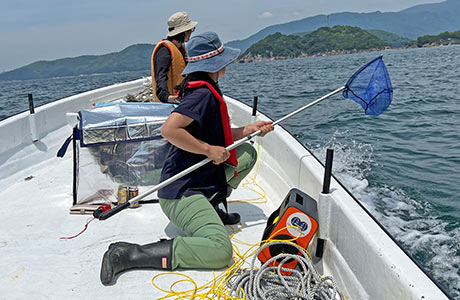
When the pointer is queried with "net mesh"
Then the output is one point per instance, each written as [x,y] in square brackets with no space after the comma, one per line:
[371,87]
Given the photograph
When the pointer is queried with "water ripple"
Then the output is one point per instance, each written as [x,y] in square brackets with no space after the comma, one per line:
[405,164]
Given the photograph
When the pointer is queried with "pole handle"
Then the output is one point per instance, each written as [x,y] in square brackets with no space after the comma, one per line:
[109,213]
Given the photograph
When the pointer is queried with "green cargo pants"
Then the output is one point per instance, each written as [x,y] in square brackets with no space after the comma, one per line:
[207,245]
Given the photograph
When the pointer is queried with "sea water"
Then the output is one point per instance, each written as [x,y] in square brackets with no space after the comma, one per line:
[403,165]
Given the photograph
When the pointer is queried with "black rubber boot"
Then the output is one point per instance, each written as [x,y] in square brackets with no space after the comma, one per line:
[227,218]
[124,256]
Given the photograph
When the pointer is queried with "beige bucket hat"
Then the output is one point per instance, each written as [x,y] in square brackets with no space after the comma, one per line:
[179,22]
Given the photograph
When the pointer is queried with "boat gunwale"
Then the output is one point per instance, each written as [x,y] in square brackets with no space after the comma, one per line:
[141,81]
[361,205]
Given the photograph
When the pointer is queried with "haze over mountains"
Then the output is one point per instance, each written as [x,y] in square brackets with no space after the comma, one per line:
[409,23]
[132,58]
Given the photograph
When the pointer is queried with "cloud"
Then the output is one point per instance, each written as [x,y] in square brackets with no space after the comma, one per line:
[266,15]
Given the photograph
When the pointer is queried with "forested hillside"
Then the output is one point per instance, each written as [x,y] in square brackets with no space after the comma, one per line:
[323,40]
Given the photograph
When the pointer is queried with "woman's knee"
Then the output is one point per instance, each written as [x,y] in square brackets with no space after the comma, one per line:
[224,253]
[248,154]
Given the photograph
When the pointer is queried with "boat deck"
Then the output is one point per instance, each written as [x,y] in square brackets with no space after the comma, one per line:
[35,261]
[36,195]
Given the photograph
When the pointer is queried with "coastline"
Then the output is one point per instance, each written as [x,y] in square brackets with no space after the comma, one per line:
[249,58]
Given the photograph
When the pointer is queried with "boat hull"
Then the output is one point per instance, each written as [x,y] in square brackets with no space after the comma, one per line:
[36,193]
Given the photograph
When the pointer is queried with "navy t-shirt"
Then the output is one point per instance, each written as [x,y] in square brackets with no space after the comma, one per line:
[200,105]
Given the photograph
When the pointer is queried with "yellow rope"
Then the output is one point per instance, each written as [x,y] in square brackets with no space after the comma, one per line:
[217,287]
[251,183]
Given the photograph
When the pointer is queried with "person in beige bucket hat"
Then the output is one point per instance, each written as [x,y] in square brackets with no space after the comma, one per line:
[180,22]
[169,58]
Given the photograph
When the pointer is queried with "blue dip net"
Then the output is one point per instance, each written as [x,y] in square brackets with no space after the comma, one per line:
[371,87]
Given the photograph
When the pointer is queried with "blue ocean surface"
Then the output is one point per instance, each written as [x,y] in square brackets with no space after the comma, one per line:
[403,165]
[14,94]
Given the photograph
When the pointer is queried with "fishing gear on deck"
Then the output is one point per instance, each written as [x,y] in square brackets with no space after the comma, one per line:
[370,86]
[272,282]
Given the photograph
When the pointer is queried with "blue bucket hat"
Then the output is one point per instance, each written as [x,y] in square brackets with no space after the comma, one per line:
[206,53]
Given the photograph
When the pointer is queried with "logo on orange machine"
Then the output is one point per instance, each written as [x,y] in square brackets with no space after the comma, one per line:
[294,226]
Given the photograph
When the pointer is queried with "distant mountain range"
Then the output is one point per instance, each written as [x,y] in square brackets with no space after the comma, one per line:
[132,58]
[409,23]
[391,27]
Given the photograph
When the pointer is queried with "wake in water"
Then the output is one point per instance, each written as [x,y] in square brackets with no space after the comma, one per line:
[411,221]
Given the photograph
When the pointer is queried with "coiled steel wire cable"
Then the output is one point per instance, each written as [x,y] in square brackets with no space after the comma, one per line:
[267,282]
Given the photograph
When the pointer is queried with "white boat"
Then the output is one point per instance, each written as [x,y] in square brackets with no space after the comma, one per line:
[36,193]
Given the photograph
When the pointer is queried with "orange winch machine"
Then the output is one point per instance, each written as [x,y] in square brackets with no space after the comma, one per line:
[296,221]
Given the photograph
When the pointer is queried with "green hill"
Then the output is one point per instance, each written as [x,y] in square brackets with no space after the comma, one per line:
[445,38]
[133,58]
[338,39]
[393,39]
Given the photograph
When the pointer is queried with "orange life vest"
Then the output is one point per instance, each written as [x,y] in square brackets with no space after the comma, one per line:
[175,70]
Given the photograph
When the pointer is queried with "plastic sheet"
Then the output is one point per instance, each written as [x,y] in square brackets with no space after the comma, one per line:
[120,144]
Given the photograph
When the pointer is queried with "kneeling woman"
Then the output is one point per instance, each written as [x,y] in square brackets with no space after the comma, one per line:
[198,128]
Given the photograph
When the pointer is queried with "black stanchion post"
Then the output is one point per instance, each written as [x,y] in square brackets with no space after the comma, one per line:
[31,104]
[328,170]
[254,106]
[32,122]
[75,153]
[326,190]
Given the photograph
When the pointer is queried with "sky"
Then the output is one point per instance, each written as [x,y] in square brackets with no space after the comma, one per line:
[32,30]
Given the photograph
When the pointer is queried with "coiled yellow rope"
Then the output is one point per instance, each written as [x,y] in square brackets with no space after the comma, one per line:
[218,287]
